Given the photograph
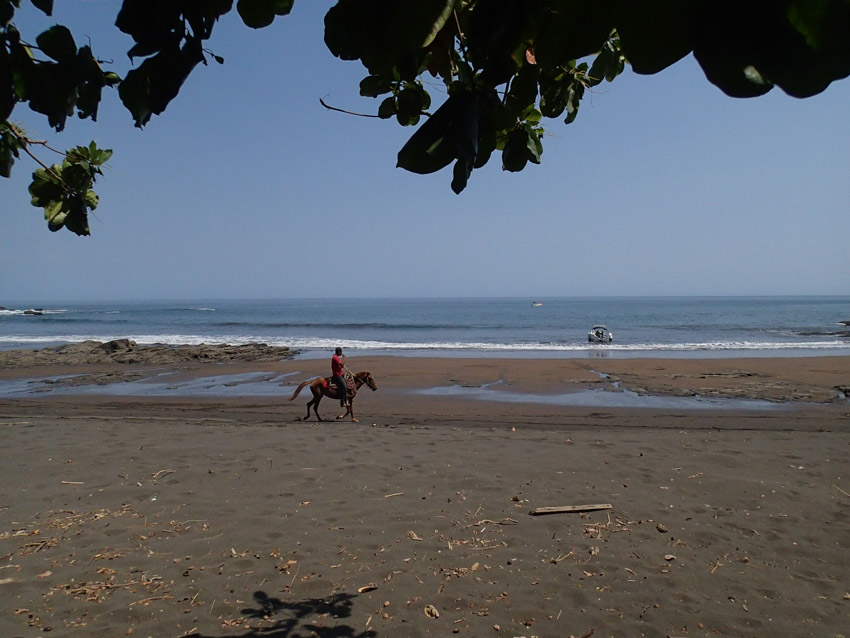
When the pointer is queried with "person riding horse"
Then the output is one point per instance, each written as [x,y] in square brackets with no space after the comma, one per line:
[320,387]
[338,374]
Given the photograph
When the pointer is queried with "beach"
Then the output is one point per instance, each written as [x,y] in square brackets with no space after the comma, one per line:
[209,515]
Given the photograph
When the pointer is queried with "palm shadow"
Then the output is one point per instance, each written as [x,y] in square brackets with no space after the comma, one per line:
[292,623]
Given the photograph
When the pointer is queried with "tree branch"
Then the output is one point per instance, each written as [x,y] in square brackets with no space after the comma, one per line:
[26,142]
[333,108]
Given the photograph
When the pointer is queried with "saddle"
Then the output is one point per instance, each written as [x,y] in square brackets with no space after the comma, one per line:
[351,388]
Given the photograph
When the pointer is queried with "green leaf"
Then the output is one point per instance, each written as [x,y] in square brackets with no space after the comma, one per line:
[806,45]
[460,176]
[531,114]
[57,43]
[486,146]
[77,220]
[148,89]
[91,199]
[283,7]
[523,89]
[375,85]
[607,65]
[439,21]
[7,12]
[409,107]
[515,153]
[572,29]
[48,88]
[76,175]
[655,33]
[256,14]
[534,145]
[55,215]
[824,25]
[495,38]
[553,92]
[426,97]
[417,23]
[727,49]
[100,156]
[799,46]
[574,95]
[387,108]
[494,114]
[466,127]
[45,6]
[8,99]
[431,147]
[442,57]
[7,160]
[385,35]
[68,211]
[45,187]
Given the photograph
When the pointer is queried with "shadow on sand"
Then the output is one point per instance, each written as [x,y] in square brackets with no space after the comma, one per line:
[325,614]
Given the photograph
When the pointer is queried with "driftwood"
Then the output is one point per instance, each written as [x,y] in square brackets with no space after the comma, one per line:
[563,509]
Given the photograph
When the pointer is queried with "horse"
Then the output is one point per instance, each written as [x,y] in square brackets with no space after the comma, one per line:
[324,387]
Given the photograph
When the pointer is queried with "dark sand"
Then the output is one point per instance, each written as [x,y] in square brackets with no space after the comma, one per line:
[210,516]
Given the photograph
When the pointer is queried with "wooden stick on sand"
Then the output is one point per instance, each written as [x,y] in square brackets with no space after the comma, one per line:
[562,509]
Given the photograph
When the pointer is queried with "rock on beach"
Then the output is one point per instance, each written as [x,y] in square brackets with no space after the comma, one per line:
[127,351]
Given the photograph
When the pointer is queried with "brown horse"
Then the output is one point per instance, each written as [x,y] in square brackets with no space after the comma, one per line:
[325,387]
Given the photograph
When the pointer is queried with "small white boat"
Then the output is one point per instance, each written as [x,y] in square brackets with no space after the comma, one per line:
[600,334]
[534,304]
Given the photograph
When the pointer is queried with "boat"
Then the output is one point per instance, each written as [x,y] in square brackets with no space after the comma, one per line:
[534,304]
[600,334]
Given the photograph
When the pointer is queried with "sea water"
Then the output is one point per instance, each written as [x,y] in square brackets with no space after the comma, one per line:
[472,327]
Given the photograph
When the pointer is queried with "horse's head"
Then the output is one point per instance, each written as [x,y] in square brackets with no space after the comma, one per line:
[368,380]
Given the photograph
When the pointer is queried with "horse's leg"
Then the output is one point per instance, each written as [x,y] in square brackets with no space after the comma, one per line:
[346,404]
[317,396]
[316,406]
[349,409]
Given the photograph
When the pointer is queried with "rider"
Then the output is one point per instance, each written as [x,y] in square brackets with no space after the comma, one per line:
[337,369]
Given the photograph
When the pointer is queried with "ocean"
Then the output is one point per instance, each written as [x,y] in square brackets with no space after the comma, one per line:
[448,327]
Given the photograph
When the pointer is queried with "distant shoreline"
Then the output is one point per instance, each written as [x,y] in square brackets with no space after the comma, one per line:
[590,351]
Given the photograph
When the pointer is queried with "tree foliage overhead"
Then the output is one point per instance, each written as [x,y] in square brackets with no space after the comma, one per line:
[501,68]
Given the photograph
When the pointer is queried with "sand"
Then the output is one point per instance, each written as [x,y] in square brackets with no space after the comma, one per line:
[211,516]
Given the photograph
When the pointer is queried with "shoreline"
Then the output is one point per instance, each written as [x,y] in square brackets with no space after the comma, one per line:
[124,368]
[580,351]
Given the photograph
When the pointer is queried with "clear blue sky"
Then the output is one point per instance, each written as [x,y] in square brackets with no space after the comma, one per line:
[247,187]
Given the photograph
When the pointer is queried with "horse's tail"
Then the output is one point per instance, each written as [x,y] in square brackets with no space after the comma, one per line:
[299,388]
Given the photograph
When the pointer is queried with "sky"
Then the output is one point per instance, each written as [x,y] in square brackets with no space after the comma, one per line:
[246,187]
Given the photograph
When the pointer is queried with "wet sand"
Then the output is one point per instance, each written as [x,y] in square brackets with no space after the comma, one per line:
[215,515]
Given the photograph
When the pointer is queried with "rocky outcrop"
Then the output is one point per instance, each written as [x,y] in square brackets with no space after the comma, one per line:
[127,351]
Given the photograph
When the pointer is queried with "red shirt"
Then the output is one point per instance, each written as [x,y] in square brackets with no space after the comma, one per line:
[336,366]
